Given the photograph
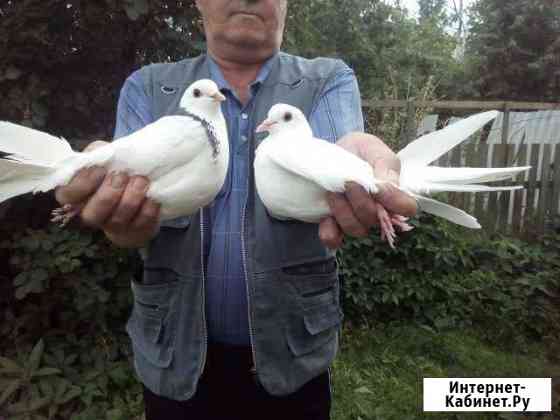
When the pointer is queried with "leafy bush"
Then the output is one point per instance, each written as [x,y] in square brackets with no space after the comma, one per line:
[80,272]
[442,276]
[81,385]
[70,295]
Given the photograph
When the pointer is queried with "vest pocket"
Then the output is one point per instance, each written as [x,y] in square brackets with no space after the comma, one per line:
[327,266]
[317,290]
[151,326]
[316,329]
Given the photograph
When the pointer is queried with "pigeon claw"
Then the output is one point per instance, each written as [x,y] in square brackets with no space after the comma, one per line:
[387,224]
[64,214]
[400,222]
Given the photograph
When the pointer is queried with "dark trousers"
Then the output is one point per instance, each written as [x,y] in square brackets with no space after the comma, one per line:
[228,390]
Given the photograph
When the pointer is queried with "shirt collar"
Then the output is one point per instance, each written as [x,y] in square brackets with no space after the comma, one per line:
[217,76]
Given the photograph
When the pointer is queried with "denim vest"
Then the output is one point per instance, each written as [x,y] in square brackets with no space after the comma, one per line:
[292,282]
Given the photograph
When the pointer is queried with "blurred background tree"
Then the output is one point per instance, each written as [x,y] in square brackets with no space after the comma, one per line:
[514,49]
[63,62]
[377,38]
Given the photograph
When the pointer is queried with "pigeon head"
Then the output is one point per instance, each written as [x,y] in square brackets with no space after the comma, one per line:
[202,96]
[282,117]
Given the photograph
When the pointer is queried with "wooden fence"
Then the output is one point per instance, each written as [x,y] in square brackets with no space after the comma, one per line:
[528,212]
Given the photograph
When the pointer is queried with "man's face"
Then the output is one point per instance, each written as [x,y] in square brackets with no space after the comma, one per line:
[244,23]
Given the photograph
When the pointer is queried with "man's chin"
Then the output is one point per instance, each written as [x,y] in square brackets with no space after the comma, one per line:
[250,39]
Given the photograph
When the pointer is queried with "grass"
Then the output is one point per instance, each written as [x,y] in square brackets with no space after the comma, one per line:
[378,372]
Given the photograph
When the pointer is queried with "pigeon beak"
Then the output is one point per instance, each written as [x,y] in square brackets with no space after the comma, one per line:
[218,97]
[265,126]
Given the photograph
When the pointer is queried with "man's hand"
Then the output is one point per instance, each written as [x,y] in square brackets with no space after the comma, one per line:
[355,212]
[114,202]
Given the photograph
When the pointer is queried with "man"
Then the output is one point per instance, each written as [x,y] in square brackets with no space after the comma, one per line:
[236,315]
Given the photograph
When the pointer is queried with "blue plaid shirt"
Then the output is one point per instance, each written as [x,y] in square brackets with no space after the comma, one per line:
[338,112]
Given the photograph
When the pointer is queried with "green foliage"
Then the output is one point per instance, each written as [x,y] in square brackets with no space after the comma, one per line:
[513,49]
[37,390]
[442,277]
[389,124]
[374,38]
[80,385]
[433,10]
[79,270]
[70,291]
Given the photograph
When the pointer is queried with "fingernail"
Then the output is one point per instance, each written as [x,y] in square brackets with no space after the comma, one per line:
[118,180]
[140,184]
[393,175]
[96,172]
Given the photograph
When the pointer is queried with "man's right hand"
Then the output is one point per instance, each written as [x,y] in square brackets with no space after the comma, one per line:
[113,202]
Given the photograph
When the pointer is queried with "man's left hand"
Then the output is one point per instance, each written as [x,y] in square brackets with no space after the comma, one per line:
[355,211]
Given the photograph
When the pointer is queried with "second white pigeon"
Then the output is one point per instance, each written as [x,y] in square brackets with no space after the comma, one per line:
[294,171]
[184,156]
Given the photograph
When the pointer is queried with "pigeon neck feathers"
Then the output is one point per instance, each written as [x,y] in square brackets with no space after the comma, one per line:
[210,133]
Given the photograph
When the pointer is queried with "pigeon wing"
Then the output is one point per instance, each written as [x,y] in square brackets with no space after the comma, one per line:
[323,163]
[160,147]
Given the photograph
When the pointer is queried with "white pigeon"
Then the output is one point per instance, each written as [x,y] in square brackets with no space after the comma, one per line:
[184,156]
[294,171]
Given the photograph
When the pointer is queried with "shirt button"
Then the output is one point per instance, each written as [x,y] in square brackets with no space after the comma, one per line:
[244,116]
[243,139]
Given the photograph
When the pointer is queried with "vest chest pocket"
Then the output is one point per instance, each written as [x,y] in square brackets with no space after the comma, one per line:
[151,326]
[317,329]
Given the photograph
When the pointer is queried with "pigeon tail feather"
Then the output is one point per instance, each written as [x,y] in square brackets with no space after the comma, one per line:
[34,146]
[434,187]
[453,214]
[18,178]
[469,175]
[430,147]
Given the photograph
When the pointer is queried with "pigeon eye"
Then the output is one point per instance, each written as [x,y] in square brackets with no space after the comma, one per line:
[288,116]
[197,93]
